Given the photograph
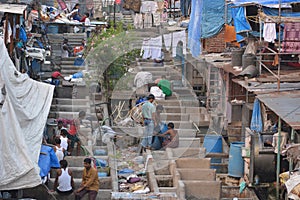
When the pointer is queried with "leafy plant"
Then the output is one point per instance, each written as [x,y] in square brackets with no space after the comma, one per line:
[111,54]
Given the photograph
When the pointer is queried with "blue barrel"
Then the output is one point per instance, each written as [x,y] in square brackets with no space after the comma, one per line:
[213,144]
[236,161]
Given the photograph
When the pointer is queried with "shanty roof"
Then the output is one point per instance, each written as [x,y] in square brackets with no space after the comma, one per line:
[259,87]
[13,8]
[262,2]
[285,104]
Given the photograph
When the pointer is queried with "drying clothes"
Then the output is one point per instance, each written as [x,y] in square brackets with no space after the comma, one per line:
[156,46]
[146,51]
[23,118]
[179,37]
[168,41]
[148,20]
[142,78]
[149,7]
[291,35]
[156,19]
[269,32]
[138,21]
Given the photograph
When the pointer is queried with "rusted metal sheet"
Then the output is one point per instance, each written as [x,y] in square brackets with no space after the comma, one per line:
[285,104]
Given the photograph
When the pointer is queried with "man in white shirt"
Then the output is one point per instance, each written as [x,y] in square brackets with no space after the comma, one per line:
[87,24]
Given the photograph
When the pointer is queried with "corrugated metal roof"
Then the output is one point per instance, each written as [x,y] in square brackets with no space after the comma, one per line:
[13,8]
[285,104]
[258,88]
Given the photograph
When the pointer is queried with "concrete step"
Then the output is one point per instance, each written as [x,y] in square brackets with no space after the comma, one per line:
[103,194]
[182,125]
[105,182]
[175,117]
[176,103]
[68,108]
[67,115]
[72,67]
[152,68]
[67,101]
[77,161]
[69,71]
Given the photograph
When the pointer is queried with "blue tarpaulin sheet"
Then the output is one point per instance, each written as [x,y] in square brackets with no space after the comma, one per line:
[256,120]
[194,30]
[262,2]
[213,18]
[47,160]
[284,13]
[241,24]
[206,20]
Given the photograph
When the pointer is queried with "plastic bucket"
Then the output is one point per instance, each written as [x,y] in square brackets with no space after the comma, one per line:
[236,161]
[213,144]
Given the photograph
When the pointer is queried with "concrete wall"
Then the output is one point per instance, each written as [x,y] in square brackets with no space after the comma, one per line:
[203,189]
[202,163]
[197,174]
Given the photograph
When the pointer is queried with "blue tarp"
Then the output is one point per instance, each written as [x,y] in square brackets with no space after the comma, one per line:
[206,20]
[262,2]
[47,160]
[213,19]
[241,24]
[256,120]
[194,30]
[284,13]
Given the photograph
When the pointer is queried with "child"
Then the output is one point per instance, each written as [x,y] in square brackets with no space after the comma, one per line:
[59,151]
[64,140]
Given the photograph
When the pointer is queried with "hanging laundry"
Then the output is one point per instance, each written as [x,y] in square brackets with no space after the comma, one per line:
[147,20]
[138,21]
[177,37]
[156,46]
[291,35]
[168,41]
[146,51]
[156,19]
[149,7]
[269,32]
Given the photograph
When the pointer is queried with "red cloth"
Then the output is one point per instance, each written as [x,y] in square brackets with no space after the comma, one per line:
[83,19]
[291,36]
[56,74]
[73,129]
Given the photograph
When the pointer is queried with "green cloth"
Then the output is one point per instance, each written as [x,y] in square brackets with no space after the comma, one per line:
[165,86]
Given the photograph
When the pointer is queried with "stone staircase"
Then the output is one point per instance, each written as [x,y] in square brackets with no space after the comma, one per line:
[127,19]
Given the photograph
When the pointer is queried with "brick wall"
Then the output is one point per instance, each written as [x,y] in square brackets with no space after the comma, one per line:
[215,44]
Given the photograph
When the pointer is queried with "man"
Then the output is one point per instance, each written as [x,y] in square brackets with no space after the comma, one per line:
[165,86]
[74,131]
[58,129]
[90,181]
[66,49]
[148,112]
[64,182]
[171,137]
[87,24]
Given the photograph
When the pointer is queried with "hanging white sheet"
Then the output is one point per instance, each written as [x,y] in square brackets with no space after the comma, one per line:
[22,120]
